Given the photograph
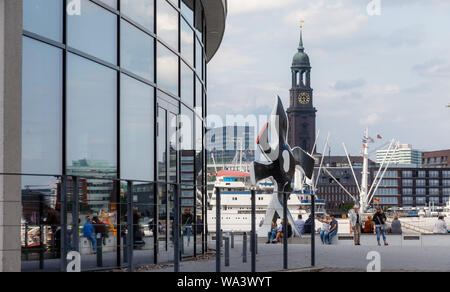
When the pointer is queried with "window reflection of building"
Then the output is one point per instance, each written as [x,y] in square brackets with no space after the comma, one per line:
[103,97]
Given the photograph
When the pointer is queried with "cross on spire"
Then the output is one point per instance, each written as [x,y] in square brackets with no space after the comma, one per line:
[300,47]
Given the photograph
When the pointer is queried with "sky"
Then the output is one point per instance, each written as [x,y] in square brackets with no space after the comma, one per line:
[389,72]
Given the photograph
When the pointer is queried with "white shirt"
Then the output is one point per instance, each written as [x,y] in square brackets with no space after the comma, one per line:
[440,227]
[325,227]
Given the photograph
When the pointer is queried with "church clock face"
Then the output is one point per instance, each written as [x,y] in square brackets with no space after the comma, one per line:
[304,98]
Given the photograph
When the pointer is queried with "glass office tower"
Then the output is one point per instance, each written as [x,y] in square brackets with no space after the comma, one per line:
[114,95]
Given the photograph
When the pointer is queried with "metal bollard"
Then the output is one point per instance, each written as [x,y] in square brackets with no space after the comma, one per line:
[99,250]
[244,248]
[125,253]
[232,239]
[256,243]
[182,243]
[227,251]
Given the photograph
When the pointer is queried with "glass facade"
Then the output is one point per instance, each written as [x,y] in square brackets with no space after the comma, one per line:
[105,91]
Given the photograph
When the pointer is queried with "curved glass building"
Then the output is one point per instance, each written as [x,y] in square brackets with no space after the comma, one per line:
[113,102]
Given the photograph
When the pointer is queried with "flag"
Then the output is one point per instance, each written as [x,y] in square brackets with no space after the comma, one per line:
[371,140]
[379,137]
[365,146]
[377,201]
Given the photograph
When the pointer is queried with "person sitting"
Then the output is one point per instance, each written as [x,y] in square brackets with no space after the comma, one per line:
[279,232]
[308,225]
[272,234]
[333,229]
[441,226]
[300,224]
[325,229]
[369,226]
[396,226]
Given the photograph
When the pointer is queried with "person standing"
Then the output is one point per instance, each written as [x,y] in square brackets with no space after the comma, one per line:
[355,220]
[300,224]
[89,233]
[186,220]
[379,218]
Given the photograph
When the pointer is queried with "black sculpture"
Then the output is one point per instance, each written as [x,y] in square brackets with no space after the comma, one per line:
[282,164]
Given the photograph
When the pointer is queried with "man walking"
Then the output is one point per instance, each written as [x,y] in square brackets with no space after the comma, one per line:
[355,219]
[89,233]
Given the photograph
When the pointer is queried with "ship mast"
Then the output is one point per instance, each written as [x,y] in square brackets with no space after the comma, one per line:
[365,174]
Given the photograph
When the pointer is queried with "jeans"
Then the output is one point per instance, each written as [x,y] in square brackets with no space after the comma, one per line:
[323,236]
[188,233]
[94,242]
[271,235]
[380,231]
[330,236]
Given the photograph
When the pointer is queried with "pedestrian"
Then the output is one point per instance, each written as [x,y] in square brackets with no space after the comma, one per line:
[261,223]
[324,229]
[333,229]
[308,225]
[89,233]
[355,220]
[100,228]
[379,218]
[186,220]
[272,234]
[440,227]
[369,226]
[396,226]
[300,224]
[280,232]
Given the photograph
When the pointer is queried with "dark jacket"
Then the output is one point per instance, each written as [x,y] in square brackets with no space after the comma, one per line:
[308,225]
[378,218]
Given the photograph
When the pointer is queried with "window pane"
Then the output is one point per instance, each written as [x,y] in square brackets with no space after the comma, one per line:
[187,9]
[167,24]
[43,17]
[199,59]
[141,11]
[162,145]
[137,133]
[91,118]
[187,85]
[94,32]
[112,3]
[41,108]
[199,19]
[199,97]
[167,74]
[137,51]
[187,42]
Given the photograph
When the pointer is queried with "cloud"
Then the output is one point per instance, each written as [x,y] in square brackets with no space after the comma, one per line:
[250,6]
[370,119]
[336,20]
[433,68]
[348,84]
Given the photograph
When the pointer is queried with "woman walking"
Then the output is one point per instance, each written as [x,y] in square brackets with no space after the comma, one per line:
[379,218]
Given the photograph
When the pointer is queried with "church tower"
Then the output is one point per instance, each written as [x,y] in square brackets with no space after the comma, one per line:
[301,112]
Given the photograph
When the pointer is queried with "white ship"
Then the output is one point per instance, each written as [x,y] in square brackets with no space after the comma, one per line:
[236,202]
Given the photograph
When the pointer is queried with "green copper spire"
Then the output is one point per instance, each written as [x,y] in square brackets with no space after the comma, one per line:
[301,59]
